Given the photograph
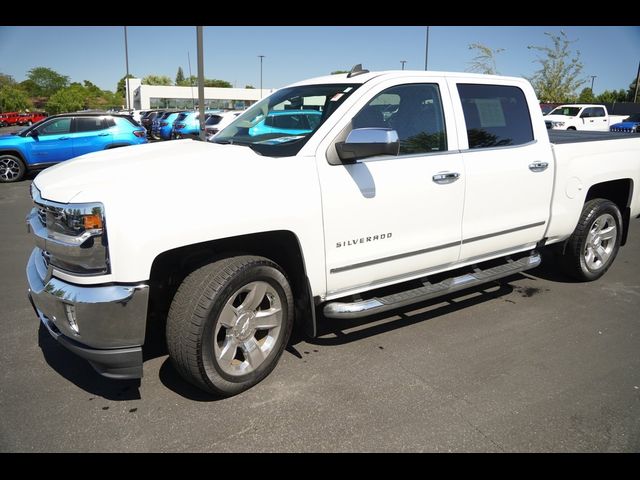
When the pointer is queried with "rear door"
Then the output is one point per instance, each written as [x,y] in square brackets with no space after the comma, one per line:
[91,134]
[508,166]
[596,119]
[52,143]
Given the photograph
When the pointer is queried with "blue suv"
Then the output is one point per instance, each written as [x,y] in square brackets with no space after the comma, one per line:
[61,137]
[187,124]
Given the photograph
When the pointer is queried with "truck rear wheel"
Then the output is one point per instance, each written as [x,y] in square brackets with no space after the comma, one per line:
[12,169]
[229,323]
[595,242]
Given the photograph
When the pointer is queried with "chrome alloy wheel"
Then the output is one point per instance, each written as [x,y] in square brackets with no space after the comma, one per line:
[600,242]
[247,328]
[9,169]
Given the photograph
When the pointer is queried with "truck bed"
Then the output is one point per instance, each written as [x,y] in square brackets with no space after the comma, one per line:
[577,136]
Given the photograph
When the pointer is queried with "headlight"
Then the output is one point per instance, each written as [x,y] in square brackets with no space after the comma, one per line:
[558,124]
[73,237]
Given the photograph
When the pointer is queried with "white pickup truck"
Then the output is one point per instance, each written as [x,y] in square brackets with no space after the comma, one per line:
[402,186]
[593,118]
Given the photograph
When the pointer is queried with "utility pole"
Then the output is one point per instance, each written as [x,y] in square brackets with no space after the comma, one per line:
[593,77]
[200,82]
[261,57]
[403,62]
[126,56]
[426,52]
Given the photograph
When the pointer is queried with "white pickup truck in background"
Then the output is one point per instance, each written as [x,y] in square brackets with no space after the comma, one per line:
[412,185]
[594,118]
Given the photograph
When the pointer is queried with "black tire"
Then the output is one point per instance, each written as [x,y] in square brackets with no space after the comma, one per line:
[571,128]
[574,260]
[195,317]
[12,168]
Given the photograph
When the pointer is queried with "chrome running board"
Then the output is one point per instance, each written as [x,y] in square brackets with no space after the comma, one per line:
[364,308]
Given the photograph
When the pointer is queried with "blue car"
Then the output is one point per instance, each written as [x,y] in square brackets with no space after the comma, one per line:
[630,124]
[61,137]
[289,122]
[187,125]
[163,127]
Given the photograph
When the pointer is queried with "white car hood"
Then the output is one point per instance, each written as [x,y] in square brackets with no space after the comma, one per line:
[101,176]
[558,118]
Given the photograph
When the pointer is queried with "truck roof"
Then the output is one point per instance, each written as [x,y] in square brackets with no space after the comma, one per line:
[365,77]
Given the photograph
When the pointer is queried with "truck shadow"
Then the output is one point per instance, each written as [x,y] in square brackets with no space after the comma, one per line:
[80,372]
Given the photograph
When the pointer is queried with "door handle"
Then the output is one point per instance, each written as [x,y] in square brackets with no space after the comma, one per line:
[538,166]
[446,177]
[103,134]
[63,138]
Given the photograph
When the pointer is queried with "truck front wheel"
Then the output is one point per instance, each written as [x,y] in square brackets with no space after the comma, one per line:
[229,323]
[595,242]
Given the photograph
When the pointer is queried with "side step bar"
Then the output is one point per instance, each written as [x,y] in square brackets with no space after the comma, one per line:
[364,308]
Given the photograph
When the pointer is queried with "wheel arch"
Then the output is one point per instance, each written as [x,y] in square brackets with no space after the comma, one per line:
[170,268]
[16,153]
[620,192]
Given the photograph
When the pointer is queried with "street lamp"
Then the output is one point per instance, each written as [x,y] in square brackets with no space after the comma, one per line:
[593,77]
[261,57]
[403,62]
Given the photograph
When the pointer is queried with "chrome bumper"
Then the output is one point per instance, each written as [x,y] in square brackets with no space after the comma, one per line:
[104,324]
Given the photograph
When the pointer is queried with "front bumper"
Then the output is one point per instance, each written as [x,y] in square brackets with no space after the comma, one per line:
[103,324]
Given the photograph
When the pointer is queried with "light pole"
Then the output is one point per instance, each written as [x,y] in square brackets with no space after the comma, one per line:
[403,62]
[593,77]
[126,56]
[426,52]
[261,57]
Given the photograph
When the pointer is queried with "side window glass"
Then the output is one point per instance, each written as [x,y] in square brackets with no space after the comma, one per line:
[89,124]
[58,126]
[413,111]
[597,112]
[495,115]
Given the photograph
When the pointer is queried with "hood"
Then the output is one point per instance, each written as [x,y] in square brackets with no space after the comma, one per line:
[143,170]
[558,118]
[10,140]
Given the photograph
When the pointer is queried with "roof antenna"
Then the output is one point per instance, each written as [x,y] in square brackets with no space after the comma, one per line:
[357,70]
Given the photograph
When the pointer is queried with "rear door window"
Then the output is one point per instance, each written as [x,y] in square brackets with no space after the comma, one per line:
[495,115]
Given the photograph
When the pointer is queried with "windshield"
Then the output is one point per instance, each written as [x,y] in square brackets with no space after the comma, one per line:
[567,111]
[282,123]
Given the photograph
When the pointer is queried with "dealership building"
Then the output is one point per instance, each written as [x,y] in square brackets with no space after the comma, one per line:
[146,97]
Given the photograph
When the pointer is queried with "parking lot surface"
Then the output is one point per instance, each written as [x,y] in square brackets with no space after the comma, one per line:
[532,363]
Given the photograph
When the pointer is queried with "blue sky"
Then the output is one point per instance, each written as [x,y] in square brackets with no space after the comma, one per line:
[295,53]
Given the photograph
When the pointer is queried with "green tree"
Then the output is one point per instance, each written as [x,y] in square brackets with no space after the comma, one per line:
[156,80]
[249,86]
[214,82]
[612,96]
[485,59]
[632,90]
[189,81]
[68,99]
[6,80]
[586,96]
[179,76]
[46,81]
[560,73]
[121,88]
[337,72]
[13,99]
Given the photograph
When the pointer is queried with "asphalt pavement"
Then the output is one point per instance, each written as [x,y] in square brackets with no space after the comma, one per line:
[532,363]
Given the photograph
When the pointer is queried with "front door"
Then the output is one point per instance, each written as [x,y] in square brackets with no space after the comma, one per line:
[52,142]
[391,218]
